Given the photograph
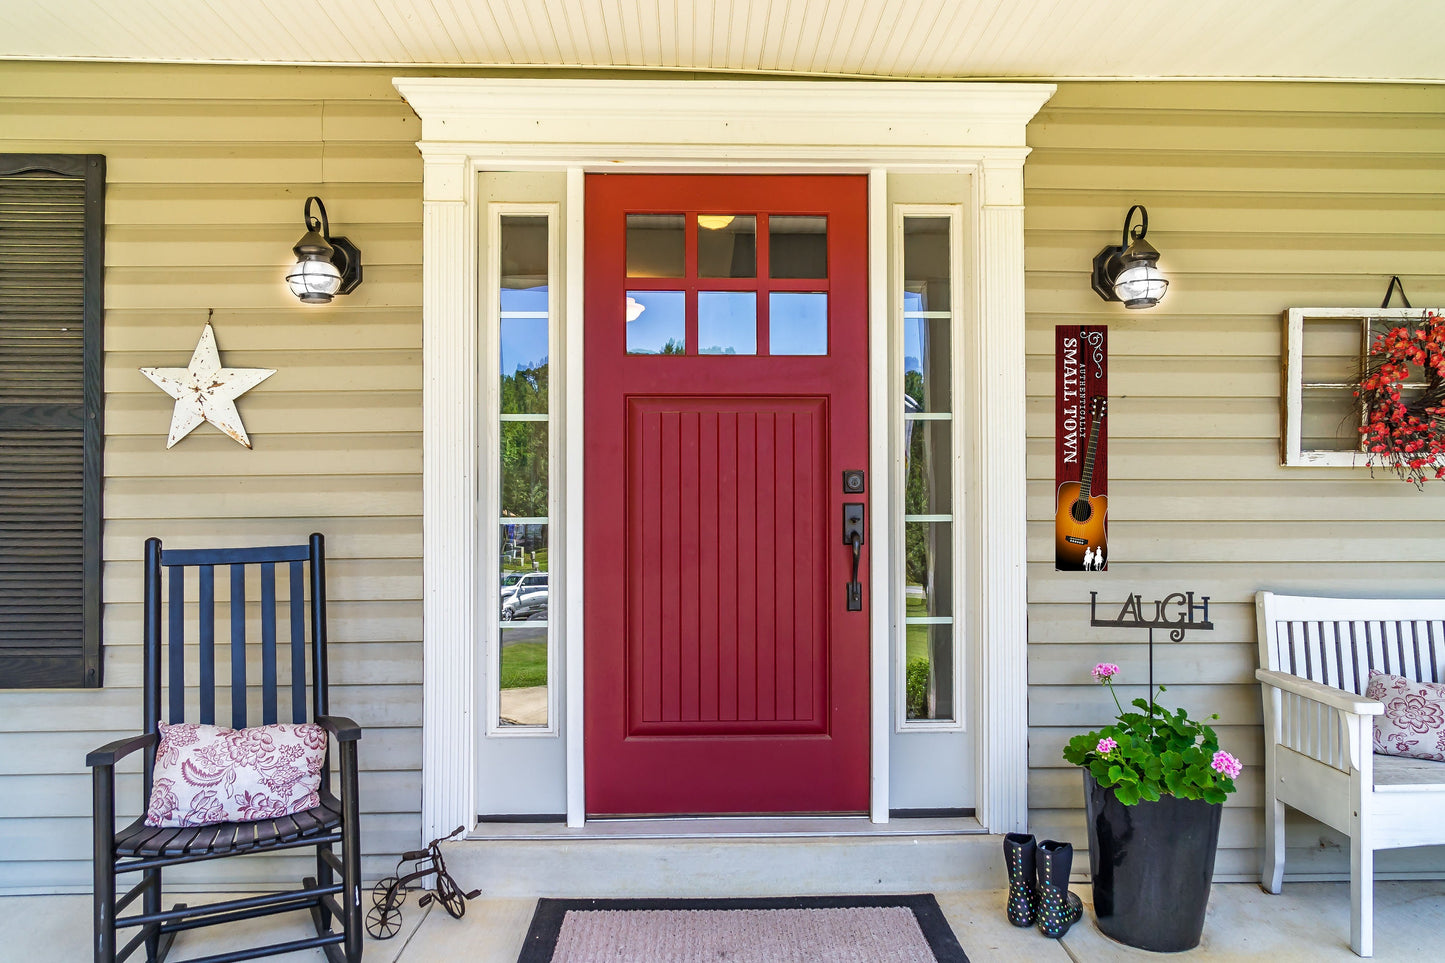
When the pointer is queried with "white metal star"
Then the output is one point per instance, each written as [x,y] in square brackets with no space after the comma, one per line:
[204,391]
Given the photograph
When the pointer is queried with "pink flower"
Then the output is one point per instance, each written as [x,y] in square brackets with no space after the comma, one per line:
[1106,746]
[1105,671]
[1226,764]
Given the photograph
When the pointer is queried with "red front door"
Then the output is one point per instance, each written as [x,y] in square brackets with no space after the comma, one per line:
[726,393]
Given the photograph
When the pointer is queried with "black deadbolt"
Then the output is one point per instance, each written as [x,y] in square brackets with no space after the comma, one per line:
[853,481]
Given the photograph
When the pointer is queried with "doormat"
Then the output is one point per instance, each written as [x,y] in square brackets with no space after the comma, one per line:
[815,929]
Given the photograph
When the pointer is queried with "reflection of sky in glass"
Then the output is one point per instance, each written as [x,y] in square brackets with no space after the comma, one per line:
[914,330]
[727,322]
[797,323]
[524,340]
[524,344]
[662,320]
[524,299]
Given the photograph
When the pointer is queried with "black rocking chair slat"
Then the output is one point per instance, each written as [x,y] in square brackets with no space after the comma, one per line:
[129,840]
[205,839]
[246,837]
[305,823]
[181,841]
[176,675]
[289,828]
[162,840]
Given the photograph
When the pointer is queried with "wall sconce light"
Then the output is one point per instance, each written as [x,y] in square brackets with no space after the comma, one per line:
[325,266]
[1130,272]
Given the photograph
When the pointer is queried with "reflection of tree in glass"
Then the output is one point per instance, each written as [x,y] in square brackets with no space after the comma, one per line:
[913,386]
[524,443]
[524,468]
[917,469]
[673,346]
[524,392]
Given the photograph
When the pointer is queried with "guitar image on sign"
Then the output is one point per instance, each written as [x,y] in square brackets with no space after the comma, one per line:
[1079,534]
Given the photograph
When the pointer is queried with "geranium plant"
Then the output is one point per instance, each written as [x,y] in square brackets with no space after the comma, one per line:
[1405,431]
[1154,752]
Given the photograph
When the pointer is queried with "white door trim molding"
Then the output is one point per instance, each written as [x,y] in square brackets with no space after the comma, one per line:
[865,127]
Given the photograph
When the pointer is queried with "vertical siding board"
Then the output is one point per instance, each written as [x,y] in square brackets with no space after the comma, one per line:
[1196,398]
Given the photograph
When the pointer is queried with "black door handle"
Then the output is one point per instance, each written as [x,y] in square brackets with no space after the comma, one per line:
[853,534]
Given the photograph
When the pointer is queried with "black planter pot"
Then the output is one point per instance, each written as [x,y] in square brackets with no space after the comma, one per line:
[1152,864]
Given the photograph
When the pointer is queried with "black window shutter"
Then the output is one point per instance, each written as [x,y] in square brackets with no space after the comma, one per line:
[52,247]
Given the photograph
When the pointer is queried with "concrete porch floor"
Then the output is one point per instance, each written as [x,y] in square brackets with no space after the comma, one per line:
[1307,922]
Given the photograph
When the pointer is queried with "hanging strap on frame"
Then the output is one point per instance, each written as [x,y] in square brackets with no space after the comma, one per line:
[1395,284]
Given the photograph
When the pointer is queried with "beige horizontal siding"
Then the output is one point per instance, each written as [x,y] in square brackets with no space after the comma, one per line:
[1261,197]
[208,170]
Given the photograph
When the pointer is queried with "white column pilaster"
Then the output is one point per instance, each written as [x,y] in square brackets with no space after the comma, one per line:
[997,565]
[449,494]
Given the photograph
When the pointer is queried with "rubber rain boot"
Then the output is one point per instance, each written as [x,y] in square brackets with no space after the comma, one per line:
[1023,897]
[1058,908]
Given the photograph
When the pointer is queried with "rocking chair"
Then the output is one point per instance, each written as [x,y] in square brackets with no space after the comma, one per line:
[147,850]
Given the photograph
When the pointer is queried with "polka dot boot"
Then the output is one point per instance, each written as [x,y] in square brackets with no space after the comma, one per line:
[1058,908]
[1023,898]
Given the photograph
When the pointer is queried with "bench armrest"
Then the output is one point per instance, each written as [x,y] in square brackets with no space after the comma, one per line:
[112,752]
[344,729]
[1318,692]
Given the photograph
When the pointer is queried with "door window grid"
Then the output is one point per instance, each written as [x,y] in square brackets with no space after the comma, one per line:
[660,282]
[926,242]
[521,269]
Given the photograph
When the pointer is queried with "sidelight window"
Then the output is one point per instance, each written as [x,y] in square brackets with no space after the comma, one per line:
[928,666]
[522,658]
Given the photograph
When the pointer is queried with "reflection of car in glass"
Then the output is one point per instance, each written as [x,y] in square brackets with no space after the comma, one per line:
[528,602]
[525,584]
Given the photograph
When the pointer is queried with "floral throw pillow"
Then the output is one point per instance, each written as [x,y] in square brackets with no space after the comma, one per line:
[210,774]
[1414,720]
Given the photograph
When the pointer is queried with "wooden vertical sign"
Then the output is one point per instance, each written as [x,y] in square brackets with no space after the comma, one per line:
[1081,447]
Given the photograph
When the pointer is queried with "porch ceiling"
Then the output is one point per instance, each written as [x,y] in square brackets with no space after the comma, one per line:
[1046,39]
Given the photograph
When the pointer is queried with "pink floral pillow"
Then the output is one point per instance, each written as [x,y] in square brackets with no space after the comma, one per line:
[209,774]
[1414,720]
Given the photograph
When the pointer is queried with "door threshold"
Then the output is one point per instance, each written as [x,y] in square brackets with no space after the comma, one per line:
[731,827]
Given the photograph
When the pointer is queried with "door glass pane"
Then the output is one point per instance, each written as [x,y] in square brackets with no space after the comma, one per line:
[797,322]
[524,366]
[656,245]
[656,322]
[727,322]
[928,581]
[928,685]
[522,673]
[524,469]
[927,463]
[797,247]
[727,245]
[927,368]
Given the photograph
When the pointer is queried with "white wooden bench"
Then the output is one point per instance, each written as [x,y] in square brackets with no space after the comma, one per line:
[1316,655]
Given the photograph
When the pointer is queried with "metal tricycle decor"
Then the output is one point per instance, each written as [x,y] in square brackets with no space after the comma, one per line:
[383,920]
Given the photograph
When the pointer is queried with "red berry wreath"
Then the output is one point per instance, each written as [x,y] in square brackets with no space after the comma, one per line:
[1406,434]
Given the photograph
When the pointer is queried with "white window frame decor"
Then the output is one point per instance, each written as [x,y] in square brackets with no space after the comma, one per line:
[1292,452]
[473,125]
[490,450]
[955,314]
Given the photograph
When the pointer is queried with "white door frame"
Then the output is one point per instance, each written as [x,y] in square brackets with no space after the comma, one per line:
[865,127]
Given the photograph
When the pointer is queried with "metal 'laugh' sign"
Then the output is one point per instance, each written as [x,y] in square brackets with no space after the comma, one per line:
[1131,616]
